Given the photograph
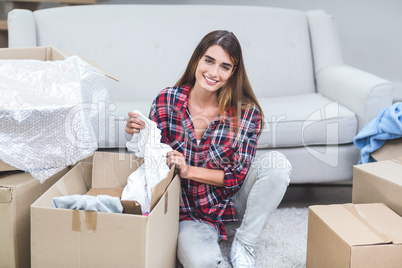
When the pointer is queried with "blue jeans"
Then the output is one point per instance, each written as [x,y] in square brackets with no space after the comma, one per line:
[263,189]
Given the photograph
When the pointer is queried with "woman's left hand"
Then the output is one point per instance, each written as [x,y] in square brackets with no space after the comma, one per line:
[176,158]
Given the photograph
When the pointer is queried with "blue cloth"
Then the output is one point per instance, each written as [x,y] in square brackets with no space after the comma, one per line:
[386,126]
[100,203]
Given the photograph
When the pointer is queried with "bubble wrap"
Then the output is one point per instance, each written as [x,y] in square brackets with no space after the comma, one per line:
[50,113]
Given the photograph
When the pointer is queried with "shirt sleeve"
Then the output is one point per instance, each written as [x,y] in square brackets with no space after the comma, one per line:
[158,114]
[249,127]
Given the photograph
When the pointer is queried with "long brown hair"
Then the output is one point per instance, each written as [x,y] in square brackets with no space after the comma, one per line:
[236,93]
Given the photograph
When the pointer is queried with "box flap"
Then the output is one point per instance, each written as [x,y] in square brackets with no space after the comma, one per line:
[9,181]
[163,222]
[58,54]
[45,54]
[385,170]
[391,150]
[73,182]
[158,190]
[363,224]
[6,167]
[111,170]
[103,70]
[380,219]
[33,53]
[114,192]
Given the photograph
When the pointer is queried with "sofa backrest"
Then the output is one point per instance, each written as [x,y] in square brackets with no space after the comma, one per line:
[147,47]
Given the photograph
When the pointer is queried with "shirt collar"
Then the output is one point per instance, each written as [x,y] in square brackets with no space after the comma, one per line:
[182,105]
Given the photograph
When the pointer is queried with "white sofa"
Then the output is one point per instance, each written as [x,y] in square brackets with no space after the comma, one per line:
[314,104]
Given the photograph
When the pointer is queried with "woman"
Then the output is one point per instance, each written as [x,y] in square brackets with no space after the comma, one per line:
[212,120]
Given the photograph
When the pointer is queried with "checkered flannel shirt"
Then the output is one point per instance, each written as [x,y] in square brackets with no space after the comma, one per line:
[220,148]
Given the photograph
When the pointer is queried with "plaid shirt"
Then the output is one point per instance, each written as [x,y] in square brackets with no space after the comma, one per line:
[220,148]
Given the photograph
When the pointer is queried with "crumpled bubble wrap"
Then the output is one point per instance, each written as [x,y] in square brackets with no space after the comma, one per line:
[50,113]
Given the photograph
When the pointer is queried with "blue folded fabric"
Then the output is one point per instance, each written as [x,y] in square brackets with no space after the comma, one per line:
[386,126]
[100,203]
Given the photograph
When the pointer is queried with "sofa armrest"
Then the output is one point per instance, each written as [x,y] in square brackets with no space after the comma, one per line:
[363,93]
[21,25]
[325,43]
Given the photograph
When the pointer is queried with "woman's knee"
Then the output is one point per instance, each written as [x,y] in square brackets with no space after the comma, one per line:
[198,245]
[276,166]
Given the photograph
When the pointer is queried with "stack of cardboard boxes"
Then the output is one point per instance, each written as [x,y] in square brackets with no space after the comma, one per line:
[18,190]
[368,232]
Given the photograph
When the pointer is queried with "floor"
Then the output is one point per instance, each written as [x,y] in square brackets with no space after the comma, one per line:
[305,195]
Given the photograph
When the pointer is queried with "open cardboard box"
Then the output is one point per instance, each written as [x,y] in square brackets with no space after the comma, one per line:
[75,238]
[348,235]
[43,54]
[380,181]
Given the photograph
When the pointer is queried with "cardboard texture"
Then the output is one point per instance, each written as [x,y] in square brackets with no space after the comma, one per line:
[69,238]
[44,54]
[18,190]
[6,167]
[391,150]
[380,182]
[350,235]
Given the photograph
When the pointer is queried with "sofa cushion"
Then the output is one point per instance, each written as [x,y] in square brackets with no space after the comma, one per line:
[292,121]
[307,119]
[147,47]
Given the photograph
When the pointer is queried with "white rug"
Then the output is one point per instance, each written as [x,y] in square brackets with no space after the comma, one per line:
[283,242]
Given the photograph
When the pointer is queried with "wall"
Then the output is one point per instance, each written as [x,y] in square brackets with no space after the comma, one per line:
[370,30]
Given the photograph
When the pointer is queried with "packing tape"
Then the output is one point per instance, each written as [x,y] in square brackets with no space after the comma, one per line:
[91,220]
[166,201]
[363,219]
[76,225]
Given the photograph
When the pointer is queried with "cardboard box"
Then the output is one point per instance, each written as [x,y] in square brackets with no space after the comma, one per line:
[18,190]
[6,167]
[380,182]
[43,54]
[75,238]
[366,235]
[391,150]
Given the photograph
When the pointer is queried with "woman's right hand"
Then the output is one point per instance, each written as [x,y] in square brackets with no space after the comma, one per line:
[134,125]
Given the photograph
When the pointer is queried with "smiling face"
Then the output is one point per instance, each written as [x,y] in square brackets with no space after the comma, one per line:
[213,69]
